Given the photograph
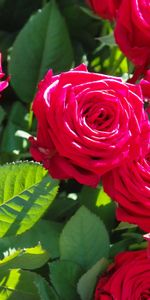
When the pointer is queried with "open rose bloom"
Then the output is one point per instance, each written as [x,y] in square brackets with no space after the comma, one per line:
[129,186]
[88,124]
[129,183]
[127,279]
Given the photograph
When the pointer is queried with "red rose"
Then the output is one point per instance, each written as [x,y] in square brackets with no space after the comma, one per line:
[129,186]
[127,279]
[132,31]
[106,9]
[87,124]
[3,84]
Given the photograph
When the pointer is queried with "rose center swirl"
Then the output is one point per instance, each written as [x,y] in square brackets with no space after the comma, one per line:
[98,118]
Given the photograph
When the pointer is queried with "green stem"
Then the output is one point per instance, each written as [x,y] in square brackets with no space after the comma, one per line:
[117,63]
[30,120]
[112,59]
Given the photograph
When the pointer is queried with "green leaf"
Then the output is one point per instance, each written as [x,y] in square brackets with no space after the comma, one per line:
[125,226]
[62,207]
[138,246]
[45,291]
[98,202]
[120,246]
[29,258]
[64,276]
[43,43]
[108,40]
[2,114]
[25,194]
[18,114]
[103,198]
[16,284]
[10,142]
[84,239]
[88,281]
[44,232]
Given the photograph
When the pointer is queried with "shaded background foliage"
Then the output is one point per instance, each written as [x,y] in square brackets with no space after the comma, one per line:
[79,227]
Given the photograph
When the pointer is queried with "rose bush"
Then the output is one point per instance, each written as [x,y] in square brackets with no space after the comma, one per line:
[105,9]
[127,278]
[87,124]
[132,31]
[129,186]
[90,127]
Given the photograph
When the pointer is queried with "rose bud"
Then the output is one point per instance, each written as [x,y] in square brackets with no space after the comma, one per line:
[132,31]
[3,84]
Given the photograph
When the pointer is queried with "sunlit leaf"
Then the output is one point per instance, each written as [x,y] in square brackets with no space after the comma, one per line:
[25,194]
